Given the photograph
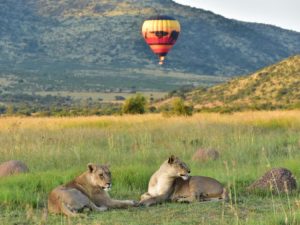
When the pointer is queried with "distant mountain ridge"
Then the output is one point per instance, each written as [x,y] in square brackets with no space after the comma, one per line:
[85,33]
[276,86]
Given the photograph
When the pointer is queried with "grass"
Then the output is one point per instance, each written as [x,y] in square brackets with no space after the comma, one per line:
[58,149]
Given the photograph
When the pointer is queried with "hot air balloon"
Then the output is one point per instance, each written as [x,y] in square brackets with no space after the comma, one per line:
[161,33]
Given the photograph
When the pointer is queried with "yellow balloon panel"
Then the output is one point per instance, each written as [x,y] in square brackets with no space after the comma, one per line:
[160,25]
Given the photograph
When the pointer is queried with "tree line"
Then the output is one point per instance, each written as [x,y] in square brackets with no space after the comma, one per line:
[33,105]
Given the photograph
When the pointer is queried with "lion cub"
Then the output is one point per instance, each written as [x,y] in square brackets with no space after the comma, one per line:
[172,182]
[89,190]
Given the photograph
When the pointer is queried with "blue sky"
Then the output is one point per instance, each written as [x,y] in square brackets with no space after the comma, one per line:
[282,13]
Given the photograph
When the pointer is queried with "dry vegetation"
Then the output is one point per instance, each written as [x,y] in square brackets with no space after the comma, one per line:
[262,118]
[276,86]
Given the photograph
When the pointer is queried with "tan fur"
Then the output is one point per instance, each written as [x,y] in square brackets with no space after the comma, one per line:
[87,191]
[171,182]
[198,188]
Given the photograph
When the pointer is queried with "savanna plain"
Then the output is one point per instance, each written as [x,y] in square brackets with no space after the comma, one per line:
[56,150]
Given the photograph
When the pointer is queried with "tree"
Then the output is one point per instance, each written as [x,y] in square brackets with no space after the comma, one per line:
[135,105]
[180,109]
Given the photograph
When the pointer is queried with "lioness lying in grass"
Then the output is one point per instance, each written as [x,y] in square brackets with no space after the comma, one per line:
[89,190]
[172,182]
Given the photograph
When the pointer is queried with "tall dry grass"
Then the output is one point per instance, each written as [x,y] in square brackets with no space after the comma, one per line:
[282,118]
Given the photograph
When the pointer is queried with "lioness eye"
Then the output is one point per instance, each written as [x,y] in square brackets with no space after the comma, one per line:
[101,175]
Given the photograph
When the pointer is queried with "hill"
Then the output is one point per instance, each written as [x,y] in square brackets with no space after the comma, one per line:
[276,86]
[94,45]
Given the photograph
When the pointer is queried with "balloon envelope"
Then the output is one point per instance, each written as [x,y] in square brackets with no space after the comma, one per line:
[161,33]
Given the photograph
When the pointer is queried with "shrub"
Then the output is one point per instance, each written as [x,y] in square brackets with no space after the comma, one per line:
[180,109]
[135,105]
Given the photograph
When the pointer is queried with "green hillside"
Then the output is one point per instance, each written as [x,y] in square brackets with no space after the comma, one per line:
[68,35]
[276,86]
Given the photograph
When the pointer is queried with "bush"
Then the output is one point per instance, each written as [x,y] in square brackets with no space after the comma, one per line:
[135,105]
[177,108]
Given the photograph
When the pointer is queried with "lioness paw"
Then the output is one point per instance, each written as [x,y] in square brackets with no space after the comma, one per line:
[145,196]
[135,203]
[182,200]
[144,203]
[131,202]
[102,208]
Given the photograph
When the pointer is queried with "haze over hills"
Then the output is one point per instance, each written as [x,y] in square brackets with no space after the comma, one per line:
[75,45]
[276,86]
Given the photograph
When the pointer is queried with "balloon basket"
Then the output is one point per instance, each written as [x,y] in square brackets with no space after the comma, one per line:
[161,60]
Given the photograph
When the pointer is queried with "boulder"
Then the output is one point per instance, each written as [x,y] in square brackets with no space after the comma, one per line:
[278,180]
[12,167]
[204,155]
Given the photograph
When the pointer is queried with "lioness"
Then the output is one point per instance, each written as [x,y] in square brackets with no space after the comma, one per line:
[172,182]
[89,190]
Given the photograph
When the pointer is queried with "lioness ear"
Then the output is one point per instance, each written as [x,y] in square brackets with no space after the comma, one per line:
[91,167]
[171,159]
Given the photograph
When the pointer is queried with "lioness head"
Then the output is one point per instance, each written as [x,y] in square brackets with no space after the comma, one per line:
[99,176]
[178,168]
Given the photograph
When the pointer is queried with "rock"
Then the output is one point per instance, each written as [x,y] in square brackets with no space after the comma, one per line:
[277,179]
[204,155]
[12,167]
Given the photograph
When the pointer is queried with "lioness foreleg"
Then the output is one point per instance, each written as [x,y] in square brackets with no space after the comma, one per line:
[153,200]
[93,207]
[187,199]
[113,203]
